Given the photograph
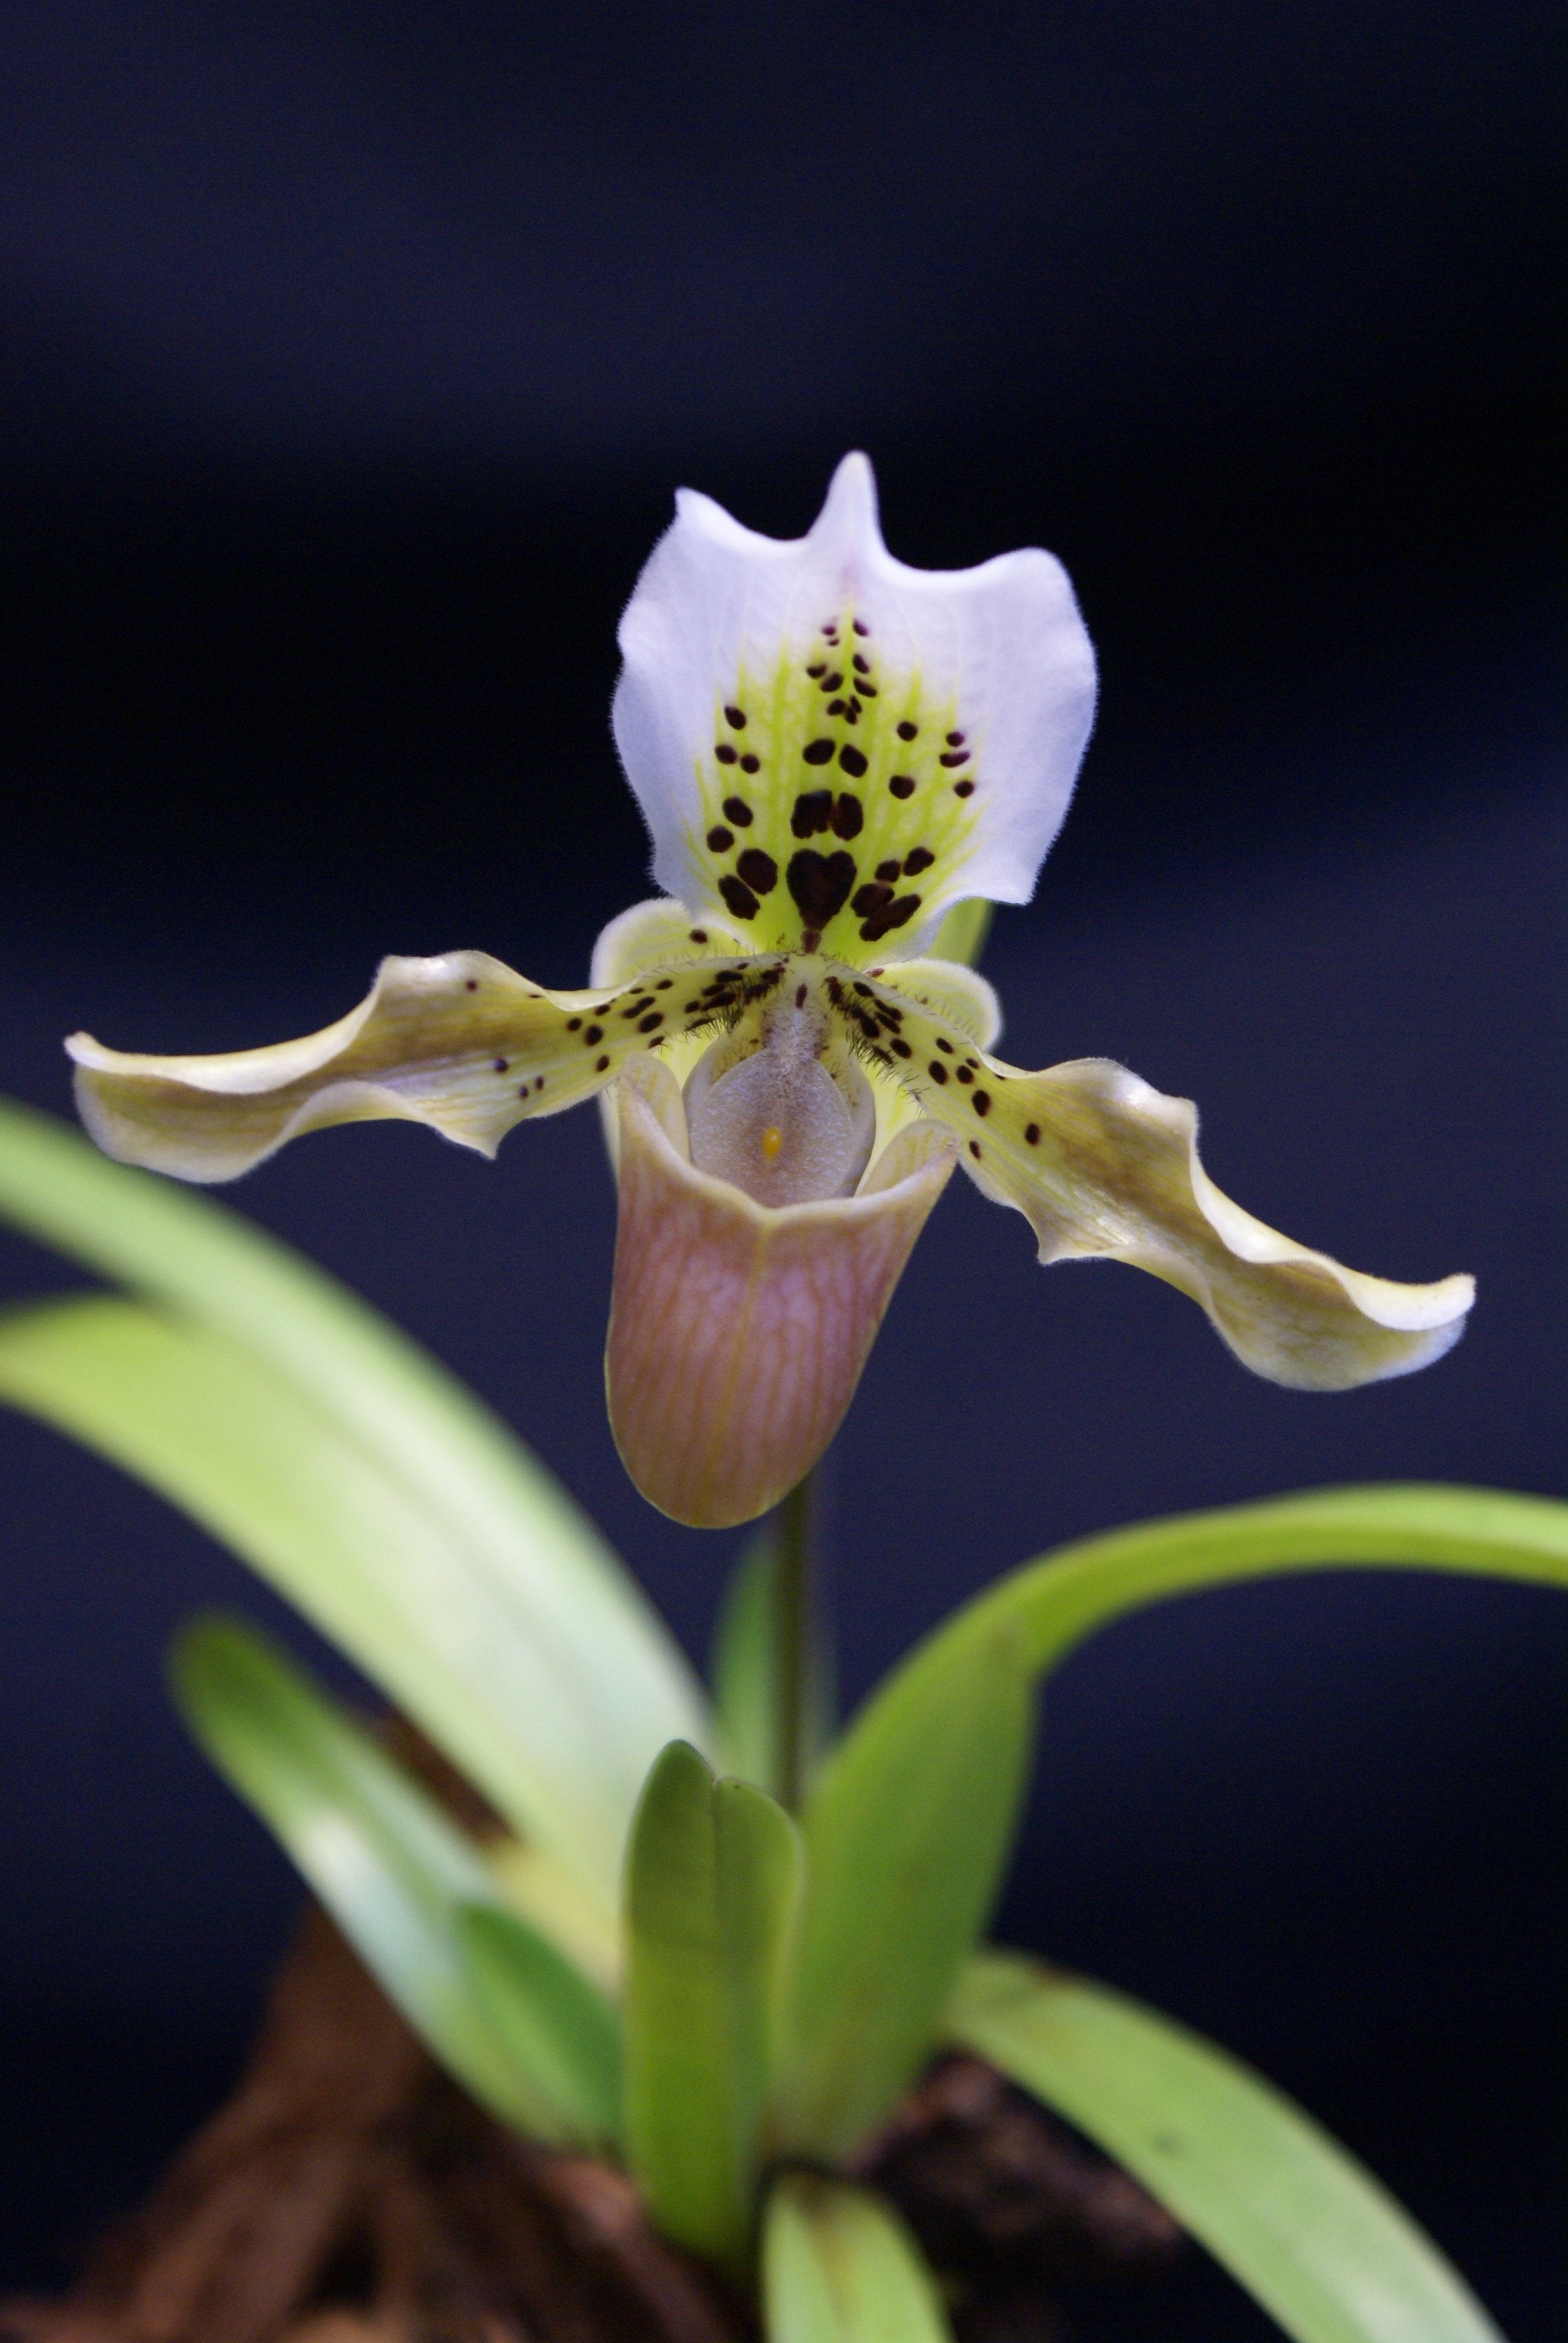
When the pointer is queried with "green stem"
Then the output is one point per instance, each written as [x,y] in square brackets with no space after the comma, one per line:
[795,1594]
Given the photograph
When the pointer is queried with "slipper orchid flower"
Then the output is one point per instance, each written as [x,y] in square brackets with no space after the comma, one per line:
[832,753]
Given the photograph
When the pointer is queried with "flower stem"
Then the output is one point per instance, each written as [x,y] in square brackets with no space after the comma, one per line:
[795,1624]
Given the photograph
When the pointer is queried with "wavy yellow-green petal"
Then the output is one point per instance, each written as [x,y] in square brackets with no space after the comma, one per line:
[460,1042]
[951,991]
[1102,1166]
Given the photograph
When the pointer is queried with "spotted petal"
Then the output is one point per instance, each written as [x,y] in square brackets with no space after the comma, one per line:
[1103,1166]
[828,744]
[460,1042]
[961,995]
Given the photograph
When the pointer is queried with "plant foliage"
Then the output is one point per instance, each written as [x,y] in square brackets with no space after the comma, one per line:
[780,1983]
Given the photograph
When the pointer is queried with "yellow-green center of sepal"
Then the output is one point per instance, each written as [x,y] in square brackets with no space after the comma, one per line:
[838,800]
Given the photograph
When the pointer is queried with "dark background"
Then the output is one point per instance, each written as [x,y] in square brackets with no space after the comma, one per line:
[351,357]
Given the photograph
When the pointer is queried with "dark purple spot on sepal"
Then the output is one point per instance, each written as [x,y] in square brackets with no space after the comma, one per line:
[819,884]
[892,915]
[813,812]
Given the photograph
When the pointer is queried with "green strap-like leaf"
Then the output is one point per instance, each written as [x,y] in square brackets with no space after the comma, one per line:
[679,2139]
[545,1593]
[559,2030]
[840,2266]
[553,1900]
[275,1477]
[394,1874]
[759,1880]
[907,1835]
[1319,2243]
[1054,1603]
[711,1886]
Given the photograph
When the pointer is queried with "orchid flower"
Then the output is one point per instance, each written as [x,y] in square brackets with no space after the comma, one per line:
[833,753]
